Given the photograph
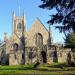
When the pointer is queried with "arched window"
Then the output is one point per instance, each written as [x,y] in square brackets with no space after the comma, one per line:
[15,46]
[39,40]
[19,26]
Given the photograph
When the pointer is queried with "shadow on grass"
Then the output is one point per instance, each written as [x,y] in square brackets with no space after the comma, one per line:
[62,65]
[49,68]
[39,69]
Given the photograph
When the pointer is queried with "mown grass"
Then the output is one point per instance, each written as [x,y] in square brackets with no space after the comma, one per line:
[44,69]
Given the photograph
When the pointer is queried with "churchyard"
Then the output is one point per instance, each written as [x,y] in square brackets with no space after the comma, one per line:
[42,69]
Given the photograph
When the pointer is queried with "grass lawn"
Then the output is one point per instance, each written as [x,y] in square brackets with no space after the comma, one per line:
[44,69]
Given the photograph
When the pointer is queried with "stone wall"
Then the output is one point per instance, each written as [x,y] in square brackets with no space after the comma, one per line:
[31,55]
[61,55]
[15,58]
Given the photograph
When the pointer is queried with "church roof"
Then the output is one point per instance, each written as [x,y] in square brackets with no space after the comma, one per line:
[40,23]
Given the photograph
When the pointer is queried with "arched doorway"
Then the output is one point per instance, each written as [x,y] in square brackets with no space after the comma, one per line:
[44,58]
[55,56]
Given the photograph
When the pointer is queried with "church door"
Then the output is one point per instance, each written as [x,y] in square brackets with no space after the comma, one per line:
[44,58]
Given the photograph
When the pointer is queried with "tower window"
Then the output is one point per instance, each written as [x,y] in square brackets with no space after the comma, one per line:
[19,26]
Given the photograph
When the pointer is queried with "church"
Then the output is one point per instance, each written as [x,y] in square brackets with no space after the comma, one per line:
[27,47]
[35,42]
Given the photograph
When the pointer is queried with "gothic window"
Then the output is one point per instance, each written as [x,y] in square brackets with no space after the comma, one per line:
[19,26]
[39,40]
[15,46]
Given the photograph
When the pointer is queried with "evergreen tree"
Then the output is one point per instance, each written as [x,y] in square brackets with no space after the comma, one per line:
[70,41]
[65,14]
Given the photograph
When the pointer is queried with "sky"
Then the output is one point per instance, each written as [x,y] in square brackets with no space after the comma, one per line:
[32,11]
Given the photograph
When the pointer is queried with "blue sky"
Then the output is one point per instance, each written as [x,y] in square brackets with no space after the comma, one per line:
[32,11]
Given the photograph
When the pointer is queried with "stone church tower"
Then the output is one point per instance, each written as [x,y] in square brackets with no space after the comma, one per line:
[17,54]
[18,27]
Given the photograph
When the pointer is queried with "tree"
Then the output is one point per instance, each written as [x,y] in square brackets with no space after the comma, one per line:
[65,14]
[70,41]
